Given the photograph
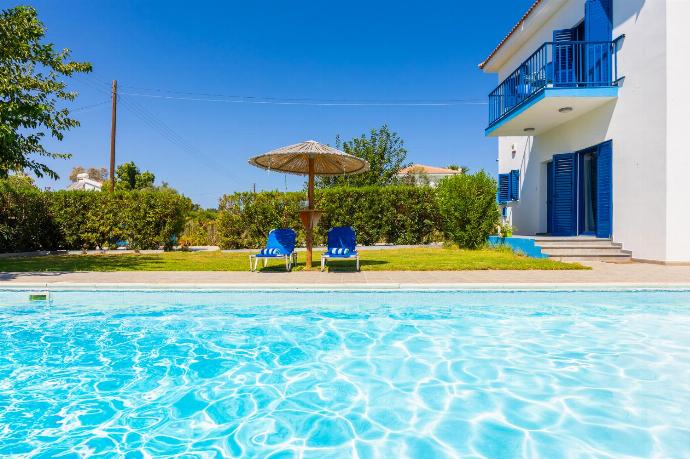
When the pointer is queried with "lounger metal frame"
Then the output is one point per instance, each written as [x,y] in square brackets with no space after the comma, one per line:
[326,256]
[290,261]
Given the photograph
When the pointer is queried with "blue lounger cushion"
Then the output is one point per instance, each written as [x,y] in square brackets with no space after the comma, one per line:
[341,242]
[339,252]
[270,253]
[280,243]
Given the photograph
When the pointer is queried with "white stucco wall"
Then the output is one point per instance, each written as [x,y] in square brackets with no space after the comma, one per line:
[649,208]
[569,15]
[678,115]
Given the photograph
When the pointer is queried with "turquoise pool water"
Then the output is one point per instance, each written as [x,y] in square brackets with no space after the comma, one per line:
[345,374]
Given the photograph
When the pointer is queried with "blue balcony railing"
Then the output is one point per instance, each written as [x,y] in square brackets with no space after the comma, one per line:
[567,64]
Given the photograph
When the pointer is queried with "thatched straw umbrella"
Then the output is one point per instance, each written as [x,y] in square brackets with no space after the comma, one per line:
[310,158]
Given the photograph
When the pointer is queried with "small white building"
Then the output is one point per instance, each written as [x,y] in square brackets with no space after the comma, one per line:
[84,183]
[591,115]
[426,175]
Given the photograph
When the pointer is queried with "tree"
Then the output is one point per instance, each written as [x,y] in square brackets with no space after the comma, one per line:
[128,177]
[463,169]
[20,181]
[76,170]
[99,174]
[145,180]
[385,152]
[30,91]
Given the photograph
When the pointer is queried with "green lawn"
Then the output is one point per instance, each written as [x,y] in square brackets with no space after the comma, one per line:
[419,259]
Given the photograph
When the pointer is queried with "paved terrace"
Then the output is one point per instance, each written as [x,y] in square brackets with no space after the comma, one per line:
[630,274]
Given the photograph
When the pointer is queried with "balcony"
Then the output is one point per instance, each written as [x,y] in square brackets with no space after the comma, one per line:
[559,82]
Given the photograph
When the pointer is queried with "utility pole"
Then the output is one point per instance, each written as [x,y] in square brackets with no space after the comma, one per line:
[113,126]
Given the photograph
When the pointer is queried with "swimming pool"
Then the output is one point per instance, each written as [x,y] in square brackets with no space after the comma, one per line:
[387,374]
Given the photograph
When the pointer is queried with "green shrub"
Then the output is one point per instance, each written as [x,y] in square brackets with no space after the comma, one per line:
[31,219]
[73,213]
[245,219]
[467,205]
[25,223]
[392,214]
[200,228]
[462,208]
[154,218]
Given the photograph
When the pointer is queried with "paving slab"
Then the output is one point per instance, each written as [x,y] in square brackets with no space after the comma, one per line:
[601,274]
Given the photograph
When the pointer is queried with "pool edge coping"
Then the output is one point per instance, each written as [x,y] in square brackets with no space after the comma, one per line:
[344,286]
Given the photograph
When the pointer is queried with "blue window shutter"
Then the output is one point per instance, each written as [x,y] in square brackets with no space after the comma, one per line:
[503,188]
[604,214]
[598,20]
[563,57]
[564,200]
[598,28]
[515,185]
[549,197]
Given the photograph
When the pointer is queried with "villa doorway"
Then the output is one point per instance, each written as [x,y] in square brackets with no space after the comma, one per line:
[579,192]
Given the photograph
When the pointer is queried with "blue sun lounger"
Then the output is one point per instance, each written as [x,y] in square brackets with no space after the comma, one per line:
[280,244]
[342,245]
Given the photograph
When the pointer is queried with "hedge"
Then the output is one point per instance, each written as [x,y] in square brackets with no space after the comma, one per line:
[244,219]
[400,214]
[200,228]
[461,210]
[31,219]
[24,222]
[394,214]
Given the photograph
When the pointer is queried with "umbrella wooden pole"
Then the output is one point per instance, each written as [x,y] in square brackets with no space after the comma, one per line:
[310,198]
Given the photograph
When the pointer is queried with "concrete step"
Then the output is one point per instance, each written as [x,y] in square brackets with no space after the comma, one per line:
[619,258]
[583,248]
[553,245]
[573,251]
[576,243]
[570,238]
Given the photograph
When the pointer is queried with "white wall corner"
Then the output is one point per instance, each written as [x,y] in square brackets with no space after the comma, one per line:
[677,121]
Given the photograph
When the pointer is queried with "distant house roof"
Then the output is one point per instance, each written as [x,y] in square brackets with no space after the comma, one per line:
[512,31]
[431,170]
[85,183]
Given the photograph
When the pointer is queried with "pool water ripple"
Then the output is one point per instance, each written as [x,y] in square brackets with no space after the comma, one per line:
[345,374]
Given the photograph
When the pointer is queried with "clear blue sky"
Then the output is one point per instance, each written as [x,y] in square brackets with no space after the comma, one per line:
[355,50]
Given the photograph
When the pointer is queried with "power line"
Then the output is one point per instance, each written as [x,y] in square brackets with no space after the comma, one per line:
[87,107]
[200,96]
[172,136]
[312,102]
[162,129]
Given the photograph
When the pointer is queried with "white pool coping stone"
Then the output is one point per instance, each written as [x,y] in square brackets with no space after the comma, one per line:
[602,275]
[333,287]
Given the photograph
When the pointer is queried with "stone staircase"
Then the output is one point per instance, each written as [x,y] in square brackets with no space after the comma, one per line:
[583,248]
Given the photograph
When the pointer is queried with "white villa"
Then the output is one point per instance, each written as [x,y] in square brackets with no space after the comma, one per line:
[427,175]
[84,183]
[592,115]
